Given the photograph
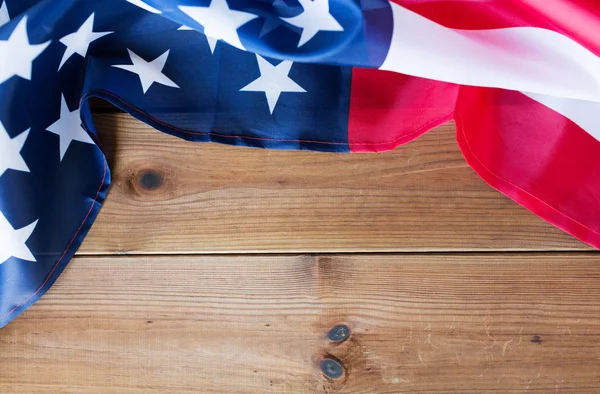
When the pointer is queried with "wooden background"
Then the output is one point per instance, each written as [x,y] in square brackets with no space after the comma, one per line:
[217,269]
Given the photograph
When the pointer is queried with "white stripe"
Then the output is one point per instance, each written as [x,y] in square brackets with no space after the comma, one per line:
[585,114]
[526,59]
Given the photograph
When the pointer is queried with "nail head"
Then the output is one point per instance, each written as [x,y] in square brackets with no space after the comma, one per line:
[331,368]
[339,333]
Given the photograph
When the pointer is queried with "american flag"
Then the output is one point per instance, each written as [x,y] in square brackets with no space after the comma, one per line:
[521,78]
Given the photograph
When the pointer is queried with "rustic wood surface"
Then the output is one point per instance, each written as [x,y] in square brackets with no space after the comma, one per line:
[173,196]
[258,324]
[213,269]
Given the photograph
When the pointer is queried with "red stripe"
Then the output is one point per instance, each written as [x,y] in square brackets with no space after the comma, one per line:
[529,152]
[534,155]
[388,109]
[576,19]
[475,14]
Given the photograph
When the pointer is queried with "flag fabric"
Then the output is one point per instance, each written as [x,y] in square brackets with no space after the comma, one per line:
[521,78]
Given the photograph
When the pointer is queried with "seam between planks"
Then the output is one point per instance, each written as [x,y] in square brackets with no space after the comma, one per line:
[590,253]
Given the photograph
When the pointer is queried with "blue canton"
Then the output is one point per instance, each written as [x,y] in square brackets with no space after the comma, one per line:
[261,75]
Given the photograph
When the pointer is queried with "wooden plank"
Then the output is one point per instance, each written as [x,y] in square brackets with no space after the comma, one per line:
[258,324]
[174,196]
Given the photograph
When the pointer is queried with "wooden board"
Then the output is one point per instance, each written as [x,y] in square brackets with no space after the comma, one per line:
[173,196]
[472,323]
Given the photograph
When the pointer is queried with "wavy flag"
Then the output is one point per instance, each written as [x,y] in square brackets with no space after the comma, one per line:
[521,78]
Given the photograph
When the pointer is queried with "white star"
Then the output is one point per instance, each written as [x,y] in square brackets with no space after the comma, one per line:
[145,6]
[212,42]
[18,54]
[314,18]
[10,156]
[4,17]
[273,81]
[12,242]
[148,72]
[219,21]
[68,128]
[79,42]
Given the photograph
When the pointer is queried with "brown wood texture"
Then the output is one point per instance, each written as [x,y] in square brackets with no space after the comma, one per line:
[434,323]
[173,196]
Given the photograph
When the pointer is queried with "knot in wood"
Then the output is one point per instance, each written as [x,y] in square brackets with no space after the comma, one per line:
[150,179]
[536,339]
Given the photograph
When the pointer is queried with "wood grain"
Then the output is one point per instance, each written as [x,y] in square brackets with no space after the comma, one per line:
[432,323]
[173,196]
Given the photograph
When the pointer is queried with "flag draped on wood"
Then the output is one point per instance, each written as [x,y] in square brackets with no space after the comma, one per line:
[521,79]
